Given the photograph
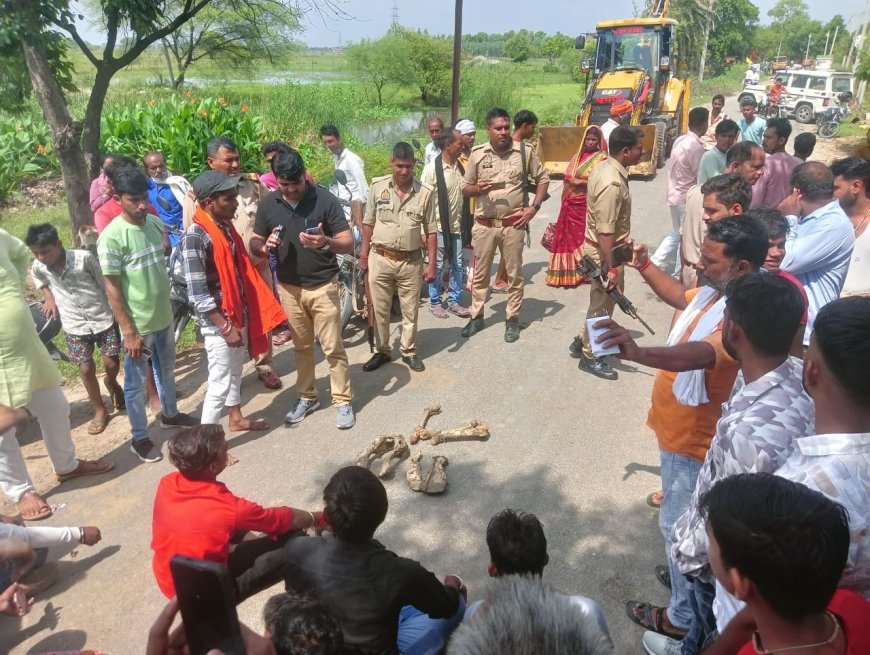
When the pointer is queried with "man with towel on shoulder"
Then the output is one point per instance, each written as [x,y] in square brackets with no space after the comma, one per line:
[620,114]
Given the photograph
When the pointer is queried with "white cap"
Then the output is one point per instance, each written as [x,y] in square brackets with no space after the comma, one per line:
[465,126]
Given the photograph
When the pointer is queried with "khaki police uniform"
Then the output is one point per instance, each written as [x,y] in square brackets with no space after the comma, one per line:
[395,259]
[492,228]
[608,212]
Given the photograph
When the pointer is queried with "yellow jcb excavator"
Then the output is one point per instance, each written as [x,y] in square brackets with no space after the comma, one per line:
[634,60]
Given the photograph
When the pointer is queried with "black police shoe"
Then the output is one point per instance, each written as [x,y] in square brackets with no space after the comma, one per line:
[511,330]
[414,363]
[597,366]
[473,326]
[376,361]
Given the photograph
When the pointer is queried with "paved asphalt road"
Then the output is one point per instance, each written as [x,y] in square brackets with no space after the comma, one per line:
[567,446]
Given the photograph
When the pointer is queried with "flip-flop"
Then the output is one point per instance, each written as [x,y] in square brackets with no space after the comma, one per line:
[654,500]
[459,310]
[651,617]
[102,466]
[44,511]
[270,379]
[98,426]
[280,338]
[439,312]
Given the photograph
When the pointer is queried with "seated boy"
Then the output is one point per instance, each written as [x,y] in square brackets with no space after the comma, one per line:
[72,285]
[300,625]
[197,516]
[367,586]
[784,558]
[517,546]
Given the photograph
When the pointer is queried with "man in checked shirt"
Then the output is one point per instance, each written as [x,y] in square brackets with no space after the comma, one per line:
[232,304]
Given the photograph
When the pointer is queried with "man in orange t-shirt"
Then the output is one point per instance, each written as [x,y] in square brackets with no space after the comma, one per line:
[695,377]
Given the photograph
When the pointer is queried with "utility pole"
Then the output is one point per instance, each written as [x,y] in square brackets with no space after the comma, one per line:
[809,40]
[457,60]
[834,40]
[827,36]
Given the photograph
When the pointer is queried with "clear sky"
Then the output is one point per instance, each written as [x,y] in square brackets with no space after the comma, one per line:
[373,17]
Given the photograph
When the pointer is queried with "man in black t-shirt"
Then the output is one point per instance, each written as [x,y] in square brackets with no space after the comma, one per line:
[314,231]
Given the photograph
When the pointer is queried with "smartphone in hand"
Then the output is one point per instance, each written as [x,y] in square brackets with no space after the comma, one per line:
[207,604]
[621,254]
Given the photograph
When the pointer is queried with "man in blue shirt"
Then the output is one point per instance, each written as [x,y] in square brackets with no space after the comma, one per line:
[820,239]
[751,126]
[166,193]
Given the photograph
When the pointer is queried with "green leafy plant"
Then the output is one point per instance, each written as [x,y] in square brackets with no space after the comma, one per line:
[25,150]
[180,127]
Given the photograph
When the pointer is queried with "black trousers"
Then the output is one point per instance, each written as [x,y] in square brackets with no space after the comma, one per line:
[257,564]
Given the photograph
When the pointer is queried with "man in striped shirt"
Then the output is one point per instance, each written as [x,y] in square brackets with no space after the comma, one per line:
[131,251]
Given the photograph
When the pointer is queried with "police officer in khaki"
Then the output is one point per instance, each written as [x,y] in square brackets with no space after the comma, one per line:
[222,155]
[399,212]
[495,178]
[608,223]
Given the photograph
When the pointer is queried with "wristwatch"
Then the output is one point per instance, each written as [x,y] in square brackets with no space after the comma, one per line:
[537,206]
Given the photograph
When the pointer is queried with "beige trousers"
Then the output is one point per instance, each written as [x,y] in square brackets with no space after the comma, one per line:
[316,311]
[509,241]
[386,277]
[599,301]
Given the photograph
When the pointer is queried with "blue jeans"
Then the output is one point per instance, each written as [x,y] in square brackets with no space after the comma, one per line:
[703,627]
[679,475]
[420,635]
[457,272]
[162,345]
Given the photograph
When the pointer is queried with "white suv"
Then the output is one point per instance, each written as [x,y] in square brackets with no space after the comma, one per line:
[809,92]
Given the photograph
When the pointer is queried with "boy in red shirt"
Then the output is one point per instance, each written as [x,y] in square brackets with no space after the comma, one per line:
[781,547]
[197,516]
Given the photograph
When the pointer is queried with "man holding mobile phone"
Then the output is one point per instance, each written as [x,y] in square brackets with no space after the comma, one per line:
[315,231]
[608,224]
[131,251]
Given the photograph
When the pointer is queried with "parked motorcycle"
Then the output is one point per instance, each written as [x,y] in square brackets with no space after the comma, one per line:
[828,122]
[351,291]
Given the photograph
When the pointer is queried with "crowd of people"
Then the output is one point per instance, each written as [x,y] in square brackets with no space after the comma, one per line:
[760,403]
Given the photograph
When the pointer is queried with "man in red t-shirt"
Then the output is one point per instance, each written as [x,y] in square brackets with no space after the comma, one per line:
[197,516]
[784,558]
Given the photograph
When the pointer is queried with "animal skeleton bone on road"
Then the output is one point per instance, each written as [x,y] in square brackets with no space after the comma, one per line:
[471,430]
[432,482]
[389,447]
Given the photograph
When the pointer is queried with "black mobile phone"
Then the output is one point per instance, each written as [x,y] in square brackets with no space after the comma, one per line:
[146,353]
[621,254]
[207,604]
[312,230]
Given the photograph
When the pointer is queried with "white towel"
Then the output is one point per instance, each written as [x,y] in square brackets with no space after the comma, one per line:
[689,387]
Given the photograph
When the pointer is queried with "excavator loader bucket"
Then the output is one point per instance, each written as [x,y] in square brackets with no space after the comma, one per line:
[648,161]
[556,146]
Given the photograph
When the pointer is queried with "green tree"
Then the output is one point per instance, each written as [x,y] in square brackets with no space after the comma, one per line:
[553,46]
[518,47]
[431,60]
[383,61]
[35,27]
[735,23]
[231,32]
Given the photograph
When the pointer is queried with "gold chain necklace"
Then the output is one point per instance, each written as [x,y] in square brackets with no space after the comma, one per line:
[863,220]
[756,639]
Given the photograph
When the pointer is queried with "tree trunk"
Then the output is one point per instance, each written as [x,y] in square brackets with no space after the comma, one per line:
[93,115]
[708,25]
[66,133]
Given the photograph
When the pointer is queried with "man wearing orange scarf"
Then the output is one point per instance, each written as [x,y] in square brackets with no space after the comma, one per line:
[233,306]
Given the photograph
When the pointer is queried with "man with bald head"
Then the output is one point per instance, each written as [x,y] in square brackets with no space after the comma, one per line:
[820,238]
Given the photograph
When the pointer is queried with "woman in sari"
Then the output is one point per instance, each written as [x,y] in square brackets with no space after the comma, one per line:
[570,229]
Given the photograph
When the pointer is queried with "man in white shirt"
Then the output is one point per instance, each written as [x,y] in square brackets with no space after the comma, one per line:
[620,114]
[682,175]
[768,409]
[836,460]
[820,238]
[851,188]
[356,191]
[434,126]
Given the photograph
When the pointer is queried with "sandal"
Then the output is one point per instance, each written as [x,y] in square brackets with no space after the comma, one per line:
[652,618]
[663,575]
[32,507]
[270,379]
[87,467]
[500,289]
[439,312]
[459,310]
[97,426]
[280,338]
[654,500]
